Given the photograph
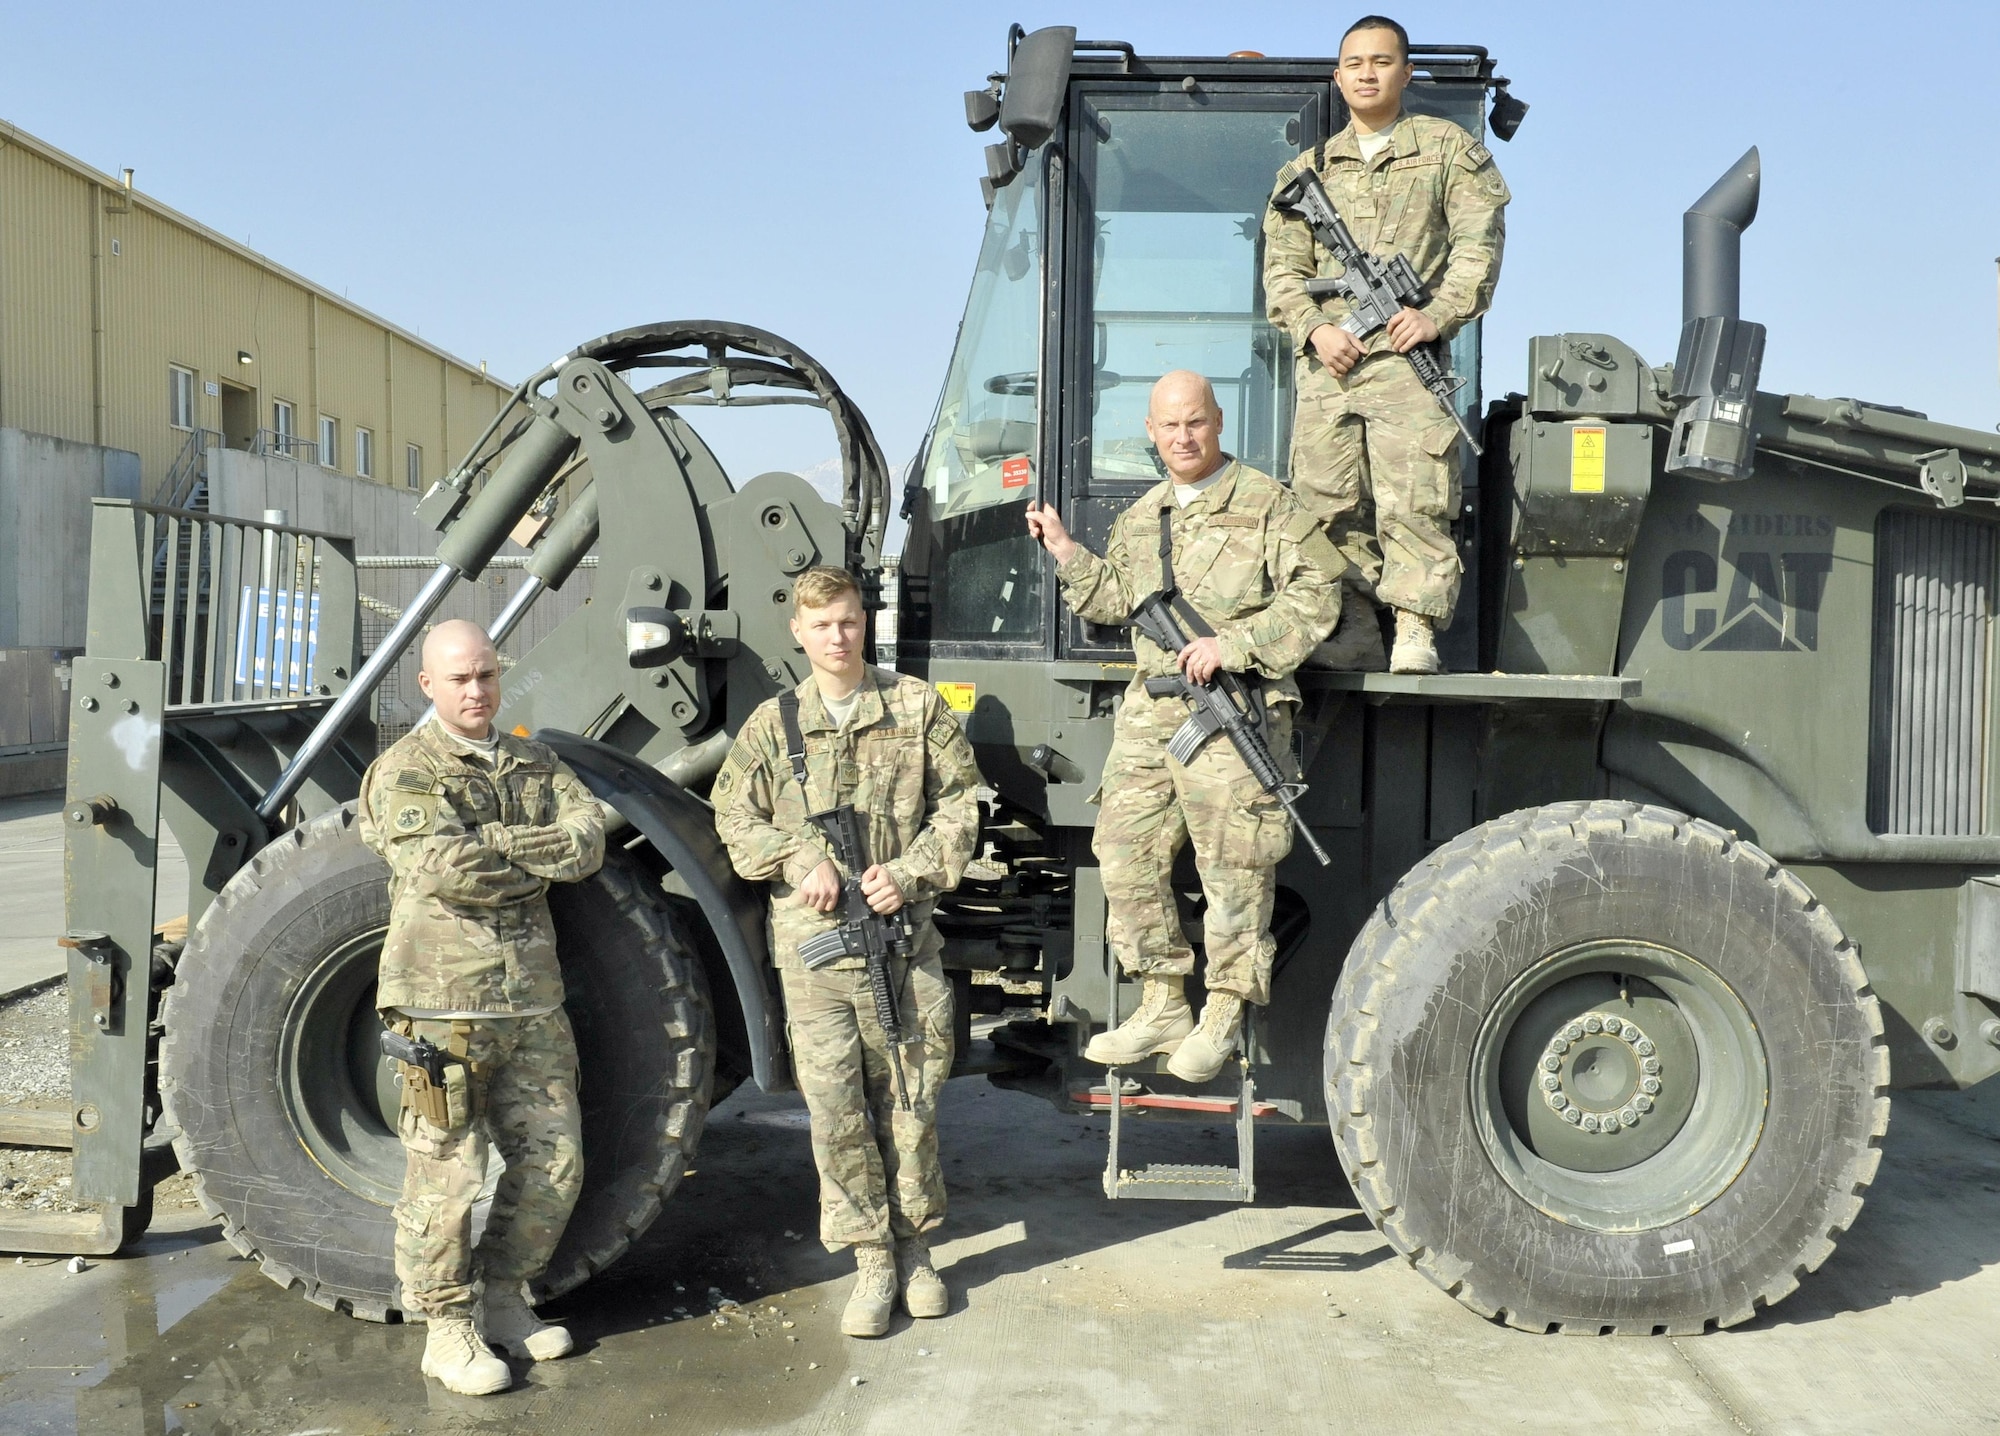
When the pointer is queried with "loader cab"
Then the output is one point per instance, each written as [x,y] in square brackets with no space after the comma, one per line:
[1128,244]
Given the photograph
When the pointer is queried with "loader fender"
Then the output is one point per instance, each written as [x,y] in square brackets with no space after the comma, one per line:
[682,828]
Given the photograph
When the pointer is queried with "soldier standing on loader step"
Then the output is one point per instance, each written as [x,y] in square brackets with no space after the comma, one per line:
[1257,569]
[475,825]
[888,745]
[1373,454]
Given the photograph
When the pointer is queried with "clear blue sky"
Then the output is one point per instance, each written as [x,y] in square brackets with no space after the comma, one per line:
[511,179]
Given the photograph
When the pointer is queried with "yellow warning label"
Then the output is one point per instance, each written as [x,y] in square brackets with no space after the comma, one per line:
[1586,461]
[958,697]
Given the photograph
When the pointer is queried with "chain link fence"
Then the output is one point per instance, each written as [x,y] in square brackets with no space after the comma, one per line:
[388,585]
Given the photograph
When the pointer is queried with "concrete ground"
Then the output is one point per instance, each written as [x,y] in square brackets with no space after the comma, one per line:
[1070,1314]
[31,890]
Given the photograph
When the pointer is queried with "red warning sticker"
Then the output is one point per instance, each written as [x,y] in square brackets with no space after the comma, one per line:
[1015,473]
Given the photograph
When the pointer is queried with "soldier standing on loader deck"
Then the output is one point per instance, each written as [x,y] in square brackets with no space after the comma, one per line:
[475,825]
[887,745]
[1373,453]
[1257,569]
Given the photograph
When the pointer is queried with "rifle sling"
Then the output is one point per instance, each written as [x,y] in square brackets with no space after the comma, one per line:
[1197,625]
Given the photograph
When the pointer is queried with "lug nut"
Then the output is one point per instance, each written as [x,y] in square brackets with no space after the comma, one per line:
[1650,1086]
[1649,1065]
[1629,1116]
[1593,1023]
[1642,1103]
[1570,1114]
[1551,1083]
[1644,1047]
[1613,1025]
[1552,1063]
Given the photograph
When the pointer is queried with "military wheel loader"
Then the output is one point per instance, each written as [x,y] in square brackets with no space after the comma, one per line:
[1635,912]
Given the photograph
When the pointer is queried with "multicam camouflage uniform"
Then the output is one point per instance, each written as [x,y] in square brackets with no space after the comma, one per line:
[1373,454]
[903,762]
[1256,566]
[472,846]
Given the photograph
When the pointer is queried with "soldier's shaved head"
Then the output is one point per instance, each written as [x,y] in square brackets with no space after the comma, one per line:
[1181,387]
[453,637]
[1185,424]
[461,675]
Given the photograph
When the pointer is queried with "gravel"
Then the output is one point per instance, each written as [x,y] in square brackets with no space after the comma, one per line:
[34,1047]
[34,1072]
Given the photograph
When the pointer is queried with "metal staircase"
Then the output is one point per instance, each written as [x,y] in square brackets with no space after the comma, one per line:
[1180,1181]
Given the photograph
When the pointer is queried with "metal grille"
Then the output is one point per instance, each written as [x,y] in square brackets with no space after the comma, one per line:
[1935,576]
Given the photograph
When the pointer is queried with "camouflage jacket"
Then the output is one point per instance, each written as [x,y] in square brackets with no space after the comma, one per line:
[472,847]
[904,763]
[1432,193]
[1247,556]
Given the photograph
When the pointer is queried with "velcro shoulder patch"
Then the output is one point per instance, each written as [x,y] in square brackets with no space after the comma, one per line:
[414,780]
[944,728]
[1474,156]
[410,816]
[1301,526]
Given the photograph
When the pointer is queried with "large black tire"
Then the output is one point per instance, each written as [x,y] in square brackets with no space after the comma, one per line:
[285,1108]
[1461,1067]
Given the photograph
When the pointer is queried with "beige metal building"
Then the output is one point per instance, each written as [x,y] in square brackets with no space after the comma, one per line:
[128,325]
[145,356]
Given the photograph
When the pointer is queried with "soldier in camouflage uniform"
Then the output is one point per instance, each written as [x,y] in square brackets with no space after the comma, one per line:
[889,746]
[1373,454]
[475,825]
[1260,572]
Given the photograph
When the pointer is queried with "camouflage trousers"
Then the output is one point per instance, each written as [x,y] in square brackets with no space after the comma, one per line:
[1376,458]
[879,1177]
[1150,805]
[522,1096]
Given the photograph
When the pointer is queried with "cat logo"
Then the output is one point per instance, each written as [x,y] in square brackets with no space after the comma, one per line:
[1772,604]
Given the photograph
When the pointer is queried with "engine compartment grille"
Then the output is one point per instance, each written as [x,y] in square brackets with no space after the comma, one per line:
[1935,576]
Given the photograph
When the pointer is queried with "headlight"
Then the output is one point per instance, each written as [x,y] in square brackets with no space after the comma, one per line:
[654,636]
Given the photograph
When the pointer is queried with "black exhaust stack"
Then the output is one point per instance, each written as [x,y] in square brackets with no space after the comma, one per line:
[1715,372]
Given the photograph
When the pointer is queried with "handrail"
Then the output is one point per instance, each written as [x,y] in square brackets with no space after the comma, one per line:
[187,469]
[285,446]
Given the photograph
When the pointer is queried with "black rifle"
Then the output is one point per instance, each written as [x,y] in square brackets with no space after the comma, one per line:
[1224,704]
[1376,291]
[880,938]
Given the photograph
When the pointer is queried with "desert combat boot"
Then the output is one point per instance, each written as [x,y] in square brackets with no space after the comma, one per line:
[1356,644]
[924,1293]
[1159,1024]
[874,1297]
[507,1321]
[456,1357]
[1201,1056]
[1415,650]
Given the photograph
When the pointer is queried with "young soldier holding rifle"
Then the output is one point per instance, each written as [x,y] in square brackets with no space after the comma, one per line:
[854,797]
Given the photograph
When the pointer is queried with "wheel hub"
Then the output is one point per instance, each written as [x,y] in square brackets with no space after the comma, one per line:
[1601,1074]
[1618,1085]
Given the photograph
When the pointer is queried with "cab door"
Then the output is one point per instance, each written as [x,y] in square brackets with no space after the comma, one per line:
[1163,260]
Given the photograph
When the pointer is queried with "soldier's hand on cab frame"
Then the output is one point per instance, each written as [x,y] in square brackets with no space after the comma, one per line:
[821,889]
[880,889]
[1336,348]
[1410,328]
[1200,659]
[1046,525]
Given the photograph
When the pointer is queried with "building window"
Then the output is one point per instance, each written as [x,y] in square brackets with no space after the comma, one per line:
[180,397]
[364,453]
[329,442]
[281,425]
[413,466]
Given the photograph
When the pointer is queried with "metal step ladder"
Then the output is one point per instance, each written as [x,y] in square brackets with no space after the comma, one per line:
[1183,1181]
